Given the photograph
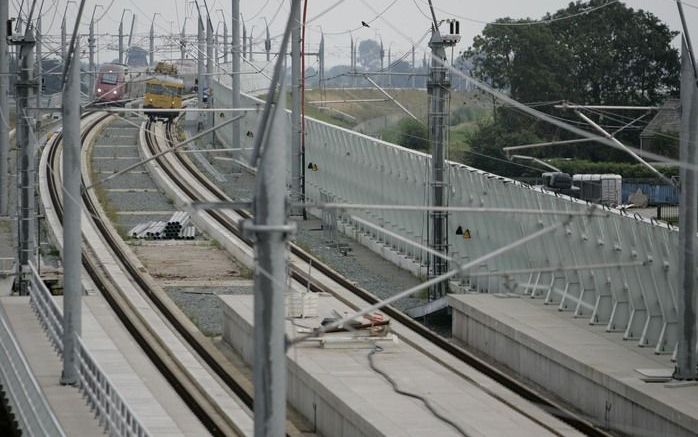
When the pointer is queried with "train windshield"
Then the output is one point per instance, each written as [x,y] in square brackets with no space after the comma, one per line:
[110,78]
[154,88]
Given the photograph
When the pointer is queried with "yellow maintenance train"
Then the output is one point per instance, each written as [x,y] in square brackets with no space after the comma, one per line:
[163,97]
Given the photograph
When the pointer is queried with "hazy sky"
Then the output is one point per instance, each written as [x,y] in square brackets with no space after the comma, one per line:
[402,23]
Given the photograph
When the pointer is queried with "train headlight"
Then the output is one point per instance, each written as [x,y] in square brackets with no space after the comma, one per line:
[114,92]
[99,90]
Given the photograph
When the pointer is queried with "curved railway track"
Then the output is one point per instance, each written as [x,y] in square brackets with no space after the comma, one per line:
[456,351]
[201,404]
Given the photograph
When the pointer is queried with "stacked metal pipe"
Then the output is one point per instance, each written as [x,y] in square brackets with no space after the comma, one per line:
[176,228]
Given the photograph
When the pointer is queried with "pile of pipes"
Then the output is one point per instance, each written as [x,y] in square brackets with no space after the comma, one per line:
[177,228]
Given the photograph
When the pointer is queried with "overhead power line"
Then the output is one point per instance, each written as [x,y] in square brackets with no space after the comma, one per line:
[532,22]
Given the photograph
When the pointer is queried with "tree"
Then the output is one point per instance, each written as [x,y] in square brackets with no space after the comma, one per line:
[614,55]
[369,54]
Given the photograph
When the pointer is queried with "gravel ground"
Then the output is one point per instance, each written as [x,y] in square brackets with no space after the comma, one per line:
[203,306]
[113,152]
[113,165]
[128,180]
[139,201]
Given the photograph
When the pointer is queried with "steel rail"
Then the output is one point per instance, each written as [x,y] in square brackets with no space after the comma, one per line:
[542,400]
[181,381]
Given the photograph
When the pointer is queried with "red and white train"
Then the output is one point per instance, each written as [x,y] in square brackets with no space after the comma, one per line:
[117,83]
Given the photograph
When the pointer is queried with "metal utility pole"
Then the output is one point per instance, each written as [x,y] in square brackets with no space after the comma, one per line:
[244,41]
[251,57]
[686,360]
[353,62]
[235,74]
[4,111]
[151,46]
[390,68]
[296,127]
[209,52]
[121,36]
[63,36]
[130,37]
[91,43]
[382,56]
[414,70]
[201,52]
[209,72]
[25,200]
[38,72]
[215,47]
[72,295]
[321,62]
[267,44]
[121,40]
[438,87]
[225,42]
[271,230]
[183,41]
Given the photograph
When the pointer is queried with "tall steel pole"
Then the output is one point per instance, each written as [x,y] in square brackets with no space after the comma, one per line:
[91,43]
[209,52]
[382,56]
[686,360]
[390,67]
[271,231]
[235,74]
[72,295]
[439,95]
[38,71]
[225,42]
[63,35]
[130,37]
[354,49]
[4,112]
[151,45]
[183,41]
[244,40]
[251,57]
[201,53]
[352,64]
[25,200]
[121,38]
[267,44]
[321,62]
[209,72]
[414,70]
[296,128]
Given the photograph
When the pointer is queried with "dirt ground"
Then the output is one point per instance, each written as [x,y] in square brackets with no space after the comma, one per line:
[189,261]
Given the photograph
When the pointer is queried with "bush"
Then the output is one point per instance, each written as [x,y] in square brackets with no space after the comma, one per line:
[409,133]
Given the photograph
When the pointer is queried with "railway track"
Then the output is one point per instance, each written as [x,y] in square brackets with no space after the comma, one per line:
[192,393]
[231,224]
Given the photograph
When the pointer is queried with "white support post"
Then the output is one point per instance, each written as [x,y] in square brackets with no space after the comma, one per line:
[72,262]
[235,75]
[296,128]
[26,211]
[686,360]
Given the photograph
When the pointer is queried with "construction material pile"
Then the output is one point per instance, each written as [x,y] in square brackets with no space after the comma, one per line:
[177,228]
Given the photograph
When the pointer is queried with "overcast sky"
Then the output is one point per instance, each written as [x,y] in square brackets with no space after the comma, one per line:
[402,22]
